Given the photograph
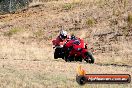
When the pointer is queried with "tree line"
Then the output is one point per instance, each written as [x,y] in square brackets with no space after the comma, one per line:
[7,6]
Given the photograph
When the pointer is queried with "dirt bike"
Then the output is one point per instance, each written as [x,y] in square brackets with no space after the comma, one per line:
[77,51]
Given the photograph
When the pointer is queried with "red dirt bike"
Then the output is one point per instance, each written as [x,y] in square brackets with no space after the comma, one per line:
[76,50]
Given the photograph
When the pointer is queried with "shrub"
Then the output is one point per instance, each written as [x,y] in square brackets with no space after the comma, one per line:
[67,6]
[130,19]
[90,22]
[12,32]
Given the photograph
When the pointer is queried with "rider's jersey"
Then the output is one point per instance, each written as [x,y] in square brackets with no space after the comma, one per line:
[58,41]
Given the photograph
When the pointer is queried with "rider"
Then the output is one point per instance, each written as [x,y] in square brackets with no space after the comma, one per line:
[62,38]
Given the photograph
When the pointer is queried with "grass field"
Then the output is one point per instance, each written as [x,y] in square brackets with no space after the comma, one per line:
[28,66]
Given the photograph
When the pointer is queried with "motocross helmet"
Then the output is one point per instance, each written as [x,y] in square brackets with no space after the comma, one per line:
[63,34]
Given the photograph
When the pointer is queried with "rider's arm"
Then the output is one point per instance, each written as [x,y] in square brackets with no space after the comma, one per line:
[57,41]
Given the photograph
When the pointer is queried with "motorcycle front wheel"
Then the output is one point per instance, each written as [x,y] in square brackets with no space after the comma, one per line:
[89,58]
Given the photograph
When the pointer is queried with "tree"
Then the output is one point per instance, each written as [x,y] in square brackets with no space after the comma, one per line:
[7,6]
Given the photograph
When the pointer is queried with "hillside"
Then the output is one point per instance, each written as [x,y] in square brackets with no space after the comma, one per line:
[26,53]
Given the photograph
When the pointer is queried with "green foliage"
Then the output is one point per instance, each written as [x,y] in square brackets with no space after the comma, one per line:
[1,1]
[12,32]
[68,6]
[71,5]
[90,22]
[125,3]
[7,6]
[130,19]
